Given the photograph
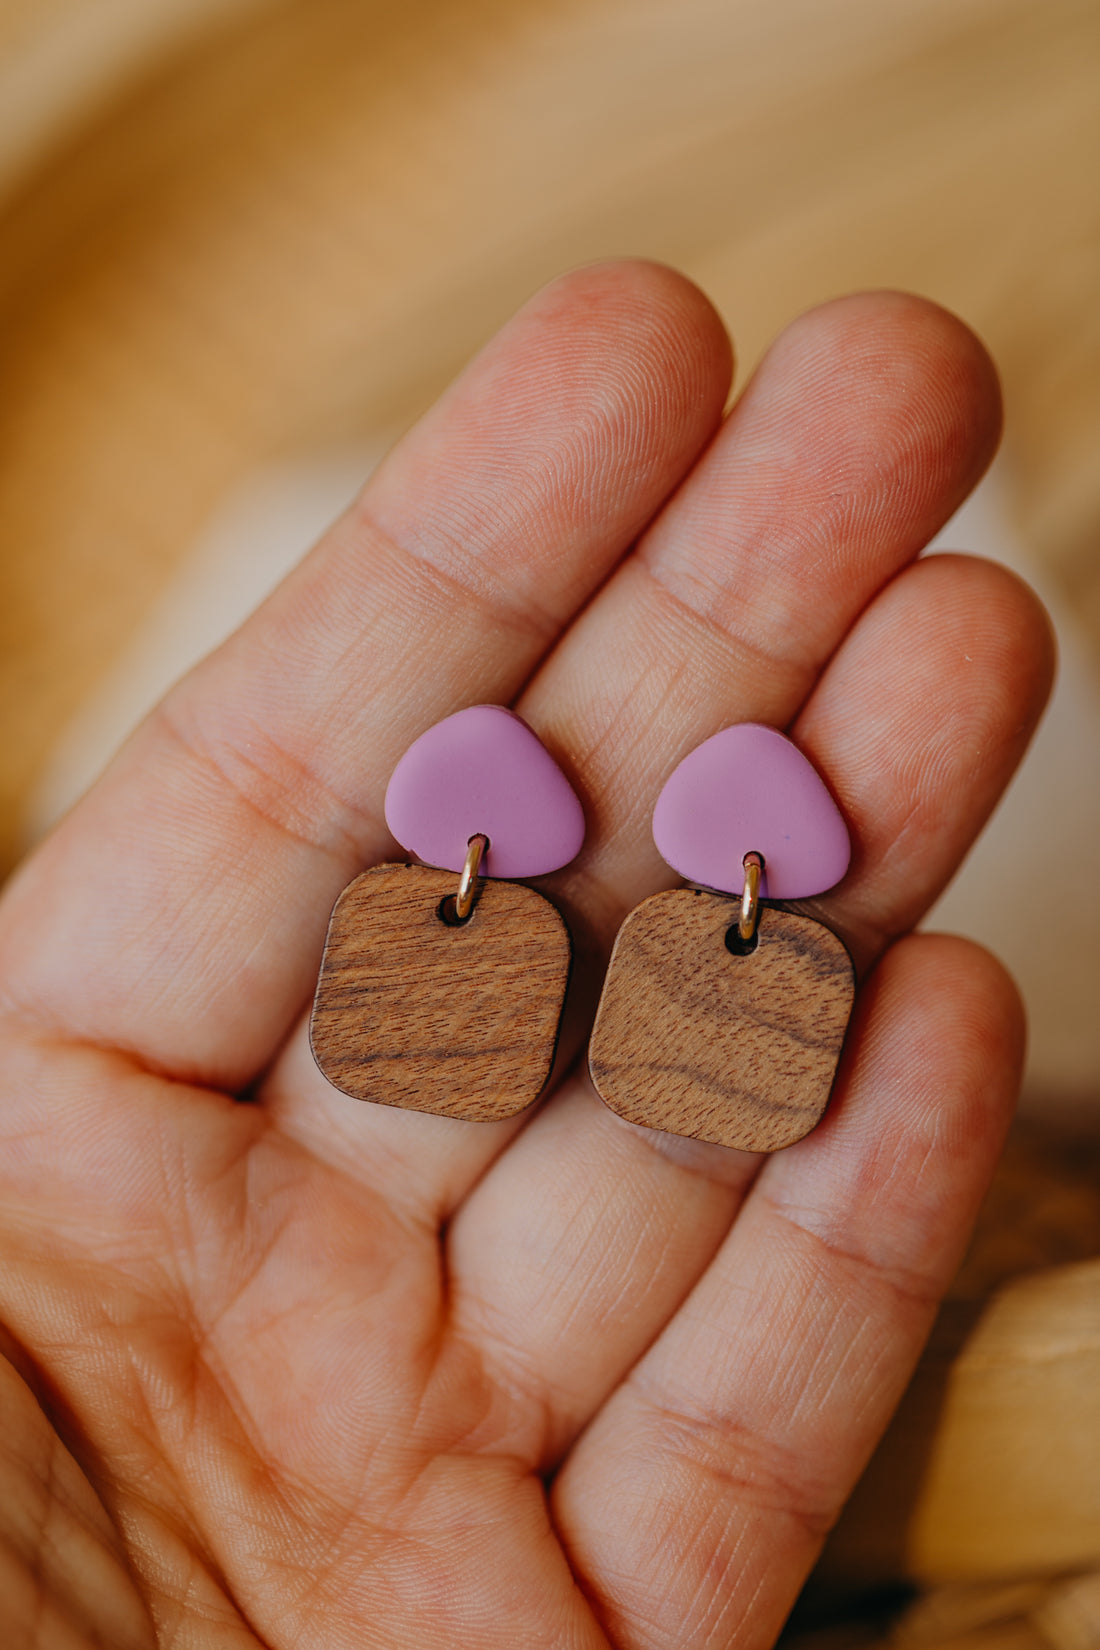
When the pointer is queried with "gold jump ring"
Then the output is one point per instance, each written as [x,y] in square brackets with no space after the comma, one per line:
[750,899]
[476,850]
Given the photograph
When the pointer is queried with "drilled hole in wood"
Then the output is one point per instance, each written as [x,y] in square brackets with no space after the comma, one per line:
[736,946]
[447,913]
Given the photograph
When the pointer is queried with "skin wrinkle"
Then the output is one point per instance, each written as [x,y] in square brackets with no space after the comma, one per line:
[729,1454]
[349,1539]
[500,603]
[176,1612]
[190,1536]
[770,565]
[911,459]
[726,1585]
[726,1167]
[42,1515]
[26,1013]
[522,1385]
[46,1555]
[724,1599]
[614,742]
[924,1104]
[198,1078]
[420,1221]
[451,1339]
[859,1372]
[476,1313]
[347,825]
[735,641]
[286,1492]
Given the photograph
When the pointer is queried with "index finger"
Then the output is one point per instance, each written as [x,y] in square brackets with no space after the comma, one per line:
[178,913]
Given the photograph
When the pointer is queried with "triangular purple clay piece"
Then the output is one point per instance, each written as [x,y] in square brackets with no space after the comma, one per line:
[749,789]
[483,770]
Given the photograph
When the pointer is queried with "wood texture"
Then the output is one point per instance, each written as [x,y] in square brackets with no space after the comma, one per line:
[1028,1614]
[950,1612]
[461,1021]
[991,1467]
[696,1041]
[1069,1615]
[1017,1633]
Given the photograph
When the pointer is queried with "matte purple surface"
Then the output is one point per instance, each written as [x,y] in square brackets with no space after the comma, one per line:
[482,769]
[748,788]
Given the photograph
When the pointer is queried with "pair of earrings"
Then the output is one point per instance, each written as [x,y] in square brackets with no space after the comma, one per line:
[722,1014]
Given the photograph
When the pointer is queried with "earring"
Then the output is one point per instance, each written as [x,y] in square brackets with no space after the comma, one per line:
[722,1015]
[446,995]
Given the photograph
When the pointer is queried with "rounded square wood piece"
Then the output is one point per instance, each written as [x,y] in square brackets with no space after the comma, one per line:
[740,1050]
[457,1020]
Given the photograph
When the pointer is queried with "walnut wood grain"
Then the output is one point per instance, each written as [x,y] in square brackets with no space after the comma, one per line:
[696,1041]
[461,1021]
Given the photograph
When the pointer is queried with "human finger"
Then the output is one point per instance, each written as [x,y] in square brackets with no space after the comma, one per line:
[696,1502]
[933,698]
[178,912]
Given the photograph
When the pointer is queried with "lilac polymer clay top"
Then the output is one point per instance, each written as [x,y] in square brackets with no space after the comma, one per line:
[482,769]
[749,789]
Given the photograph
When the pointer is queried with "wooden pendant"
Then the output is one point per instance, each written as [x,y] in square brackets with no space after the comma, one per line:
[461,1020]
[692,1039]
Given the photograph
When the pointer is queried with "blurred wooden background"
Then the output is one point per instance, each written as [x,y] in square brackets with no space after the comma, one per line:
[234,229]
[238,232]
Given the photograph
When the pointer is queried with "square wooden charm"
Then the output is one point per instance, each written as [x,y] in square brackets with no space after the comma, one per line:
[741,1050]
[457,1019]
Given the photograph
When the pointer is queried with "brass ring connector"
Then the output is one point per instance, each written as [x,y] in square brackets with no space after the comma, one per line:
[750,899]
[476,850]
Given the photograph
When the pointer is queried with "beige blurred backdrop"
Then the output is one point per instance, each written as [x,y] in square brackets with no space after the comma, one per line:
[244,242]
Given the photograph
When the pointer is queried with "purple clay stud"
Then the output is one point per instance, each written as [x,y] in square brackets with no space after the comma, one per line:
[482,771]
[748,789]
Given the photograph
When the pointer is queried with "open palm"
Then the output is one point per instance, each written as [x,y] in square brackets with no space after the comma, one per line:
[287,1369]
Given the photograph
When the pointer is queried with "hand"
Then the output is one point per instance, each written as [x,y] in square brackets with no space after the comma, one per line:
[309,1372]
